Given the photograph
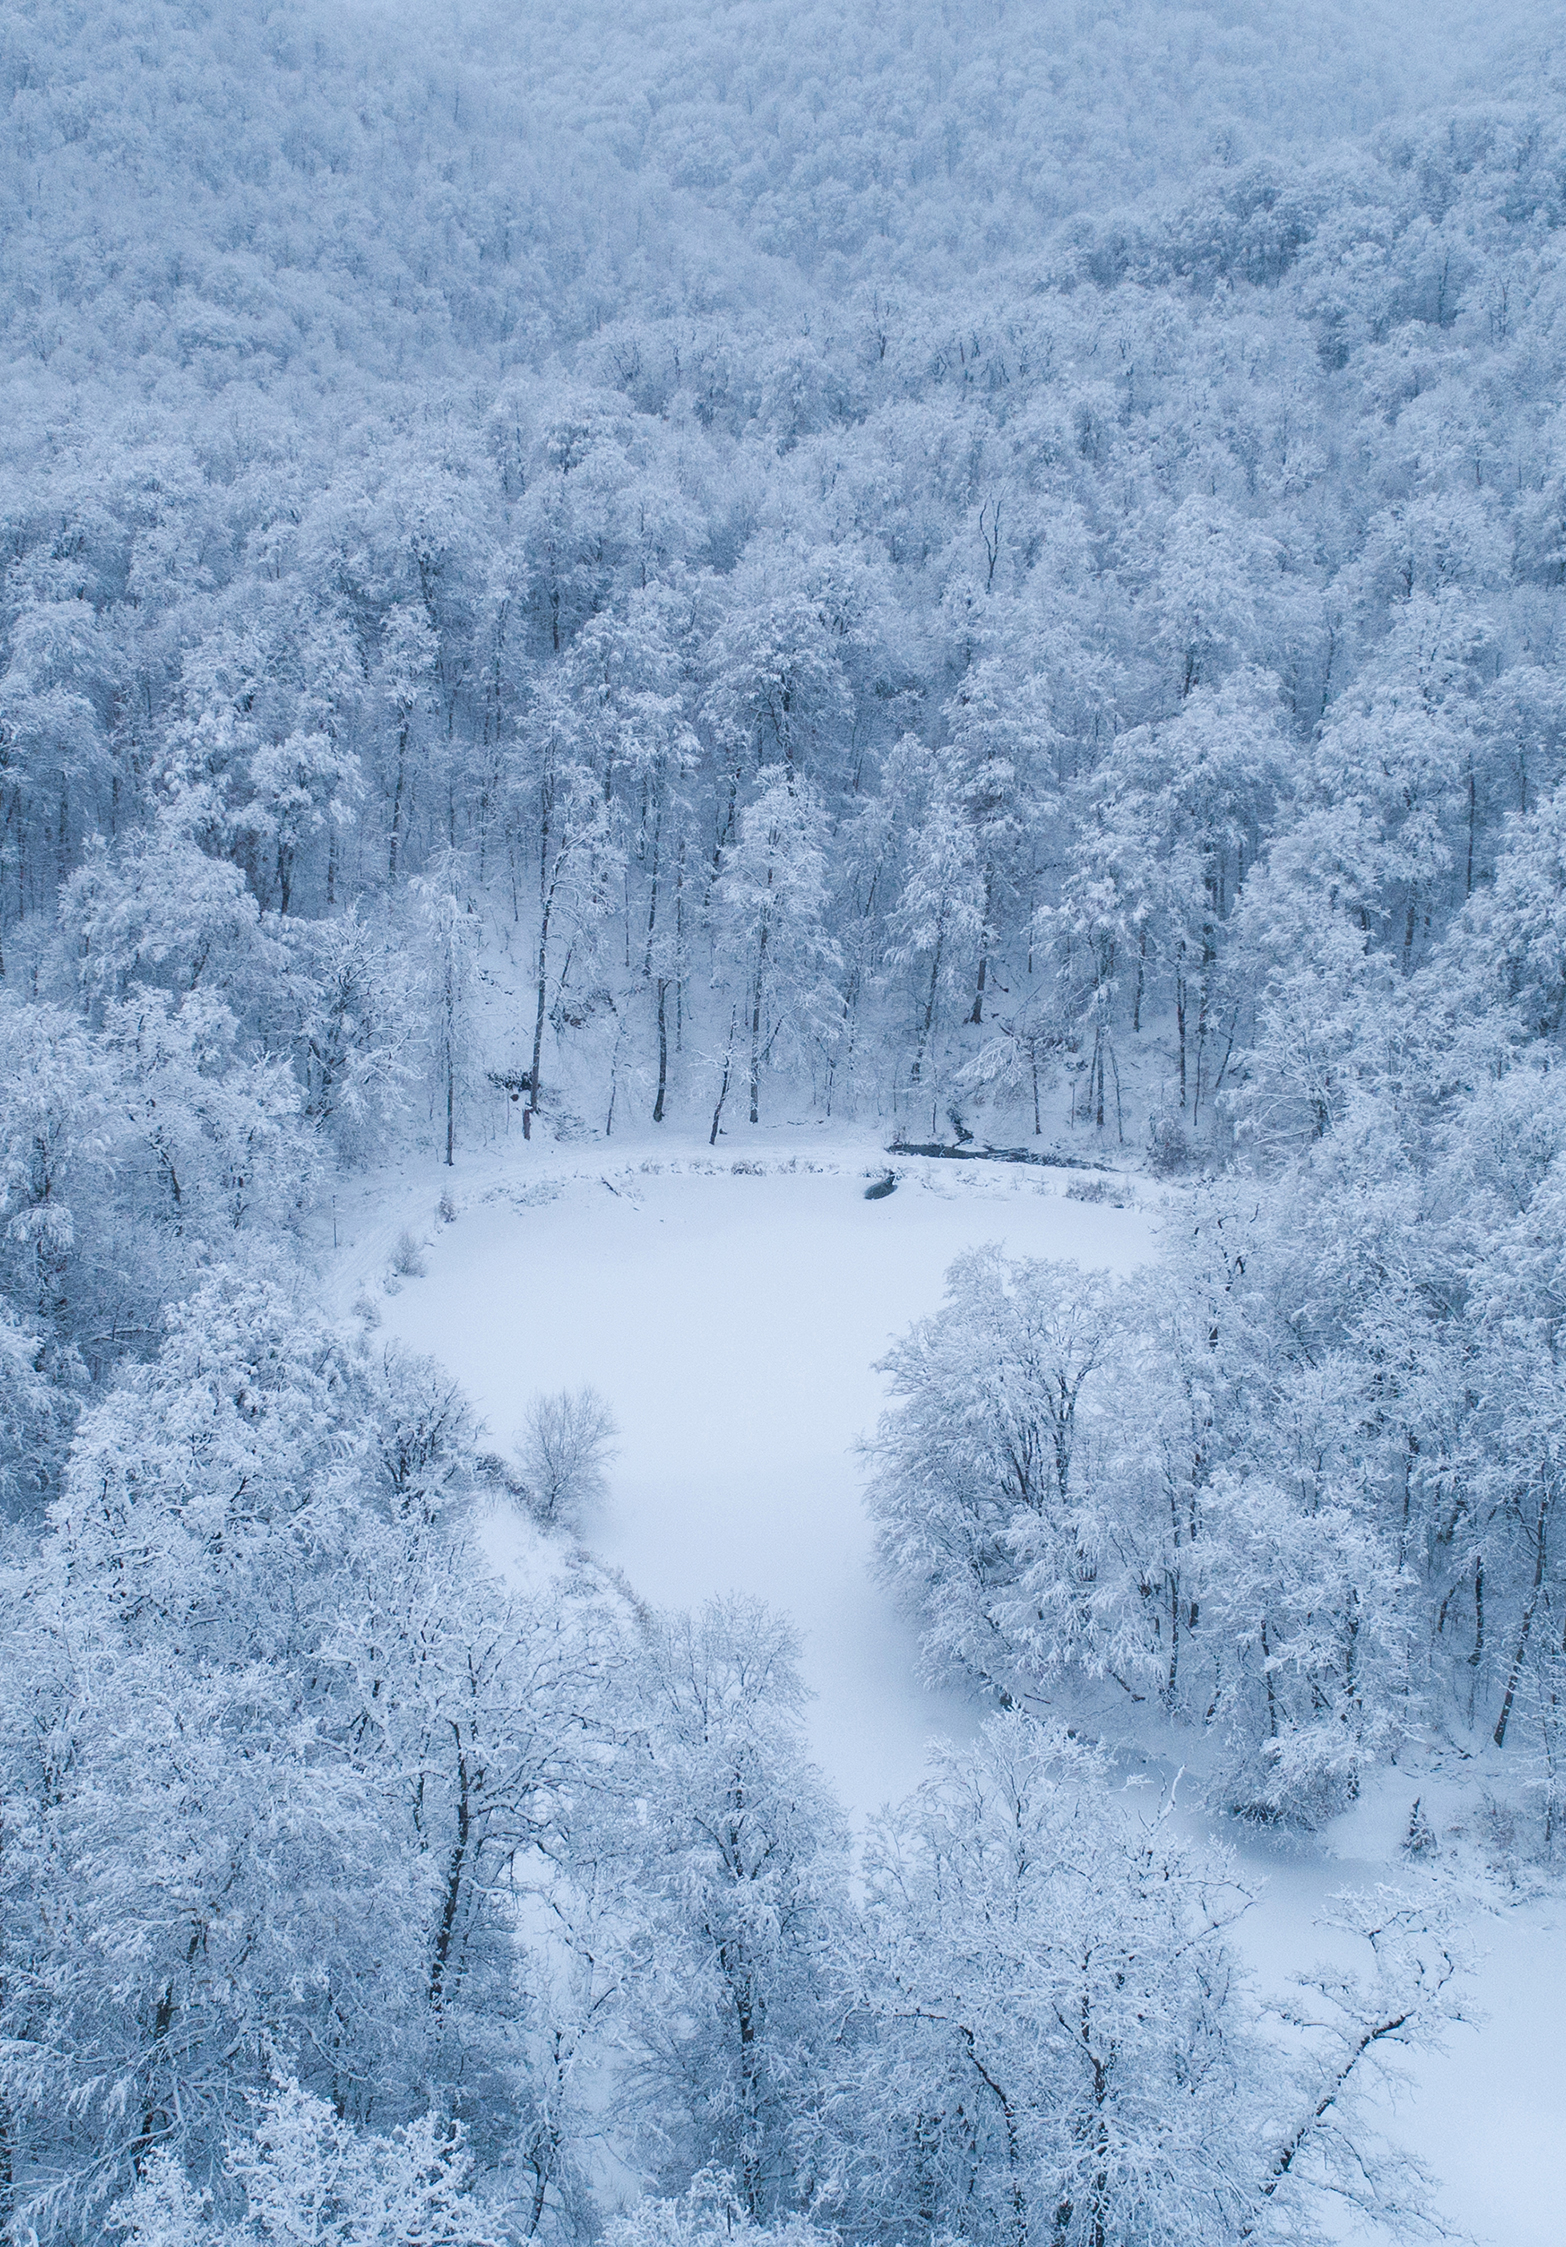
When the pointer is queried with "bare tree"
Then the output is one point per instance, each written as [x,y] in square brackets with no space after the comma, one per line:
[566,1443]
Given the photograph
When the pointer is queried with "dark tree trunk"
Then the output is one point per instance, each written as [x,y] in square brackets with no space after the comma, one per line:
[663,1048]
[1180,1027]
[1515,1678]
[723,1088]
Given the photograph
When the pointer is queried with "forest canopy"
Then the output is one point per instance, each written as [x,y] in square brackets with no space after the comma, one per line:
[979,570]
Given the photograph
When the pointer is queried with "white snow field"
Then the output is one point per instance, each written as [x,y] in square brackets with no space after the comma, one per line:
[731,1309]
[733,1323]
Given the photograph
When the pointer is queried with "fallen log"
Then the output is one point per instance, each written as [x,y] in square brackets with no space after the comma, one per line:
[971,1152]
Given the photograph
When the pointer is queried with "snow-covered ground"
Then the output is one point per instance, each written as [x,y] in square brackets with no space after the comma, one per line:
[733,1323]
[731,1308]
[1487,2112]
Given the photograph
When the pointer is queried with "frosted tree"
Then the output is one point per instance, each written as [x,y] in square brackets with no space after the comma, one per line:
[357,1028]
[56,694]
[1398,749]
[181,1590]
[996,768]
[35,1418]
[1217,581]
[986,1493]
[1307,1598]
[570,852]
[161,912]
[777,689]
[307,2175]
[1170,824]
[216,1131]
[451,934]
[563,1454]
[936,927]
[709,2213]
[1509,945]
[1053,2039]
[407,657]
[742,1866]
[261,1572]
[302,786]
[769,905]
[57,1133]
[633,670]
[1055,2045]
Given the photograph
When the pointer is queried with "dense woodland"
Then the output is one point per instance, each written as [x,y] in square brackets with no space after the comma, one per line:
[959,566]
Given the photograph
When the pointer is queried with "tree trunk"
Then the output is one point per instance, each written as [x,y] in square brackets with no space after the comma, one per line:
[929,1010]
[1515,1679]
[652,899]
[1473,811]
[1180,1027]
[456,1873]
[542,995]
[755,1053]
[723,1088]
[663,1047]
[396,824]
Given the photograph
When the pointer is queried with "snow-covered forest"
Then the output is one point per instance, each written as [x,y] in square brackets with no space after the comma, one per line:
[803,589]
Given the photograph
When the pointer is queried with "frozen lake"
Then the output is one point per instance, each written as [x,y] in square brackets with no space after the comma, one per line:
[733,1323]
